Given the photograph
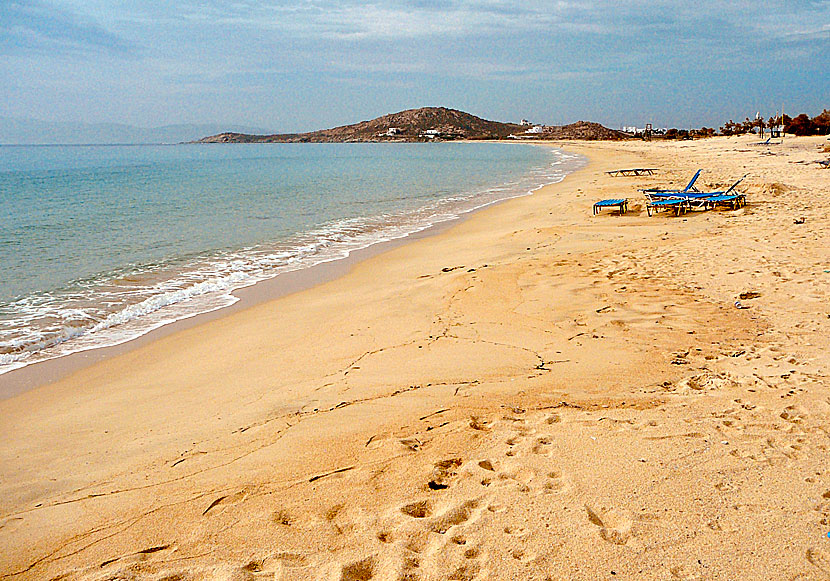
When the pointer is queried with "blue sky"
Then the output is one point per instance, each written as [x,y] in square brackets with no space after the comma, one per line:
[303,65]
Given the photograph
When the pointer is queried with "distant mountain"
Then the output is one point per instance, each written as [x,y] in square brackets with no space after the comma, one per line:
[427,123]
[15,131]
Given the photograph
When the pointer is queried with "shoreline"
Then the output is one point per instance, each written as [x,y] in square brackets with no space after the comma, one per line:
[535,392]
[44,372]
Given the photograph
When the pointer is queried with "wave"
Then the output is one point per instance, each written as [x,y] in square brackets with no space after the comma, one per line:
[122,305]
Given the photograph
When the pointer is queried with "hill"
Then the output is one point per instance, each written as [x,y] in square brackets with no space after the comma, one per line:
[427,123]
[584,130]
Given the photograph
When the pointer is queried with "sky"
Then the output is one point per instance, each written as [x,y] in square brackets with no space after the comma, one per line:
[310,64]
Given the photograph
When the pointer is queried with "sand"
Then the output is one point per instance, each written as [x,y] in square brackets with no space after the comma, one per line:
[536,393]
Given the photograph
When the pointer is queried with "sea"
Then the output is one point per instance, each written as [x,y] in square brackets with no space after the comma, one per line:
[102,244]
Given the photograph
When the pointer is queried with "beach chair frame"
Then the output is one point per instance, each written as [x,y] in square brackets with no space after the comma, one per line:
[733,201]
[620,203]
[638,171]
[678,204]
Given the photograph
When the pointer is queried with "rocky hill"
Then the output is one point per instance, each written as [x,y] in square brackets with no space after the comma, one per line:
[583,130]
[428,123]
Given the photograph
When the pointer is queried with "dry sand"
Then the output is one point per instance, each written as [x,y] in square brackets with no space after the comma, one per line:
[535,394]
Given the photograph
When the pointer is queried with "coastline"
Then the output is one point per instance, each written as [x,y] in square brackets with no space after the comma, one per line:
[40,373]
[532,392]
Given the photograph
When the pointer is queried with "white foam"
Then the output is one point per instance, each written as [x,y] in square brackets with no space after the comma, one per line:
[207,284]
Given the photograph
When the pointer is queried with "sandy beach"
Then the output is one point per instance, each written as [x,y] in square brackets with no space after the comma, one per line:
[536,393]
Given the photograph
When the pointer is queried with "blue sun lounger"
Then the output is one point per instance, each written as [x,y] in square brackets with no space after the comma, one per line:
[684,202]
[734,201]
[620,203]
[679,205]
[697,195]
[690,187]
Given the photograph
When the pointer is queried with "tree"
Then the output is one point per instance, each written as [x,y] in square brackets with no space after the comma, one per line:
[822,122]
[732,128]
[801,125]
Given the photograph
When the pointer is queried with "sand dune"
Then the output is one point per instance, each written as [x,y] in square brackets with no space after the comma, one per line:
[535,394]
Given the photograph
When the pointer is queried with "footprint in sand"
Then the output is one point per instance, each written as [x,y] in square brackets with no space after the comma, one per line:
[487,465]
[282,517]
[490,469]
[819,559]
[521,475]
[421,509]
[444,473]
[793,414]
[496,507]
[682,573]
[523,555]
[516,443]
[409,569]
[516,531]
[480,424]
[466,572]
[417,542]
[553,419]
[823,508]
[555,483]
[543,446]
[362,570]
[614,524]
[458,515]
[226,500]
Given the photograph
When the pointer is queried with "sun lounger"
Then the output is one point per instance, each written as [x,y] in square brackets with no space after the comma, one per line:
[734,201]
[697,195]
[690,187]
[825,164]
[621,204]
[693,194]
[682,202]
[639,171]
[679,205]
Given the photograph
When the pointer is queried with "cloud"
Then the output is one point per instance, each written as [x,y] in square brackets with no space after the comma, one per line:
[644,21]
[35,26]
[229,53]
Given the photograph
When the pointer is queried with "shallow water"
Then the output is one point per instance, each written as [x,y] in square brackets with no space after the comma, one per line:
[101,244]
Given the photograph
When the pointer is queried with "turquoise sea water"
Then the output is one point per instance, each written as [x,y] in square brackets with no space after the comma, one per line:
[101,244]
